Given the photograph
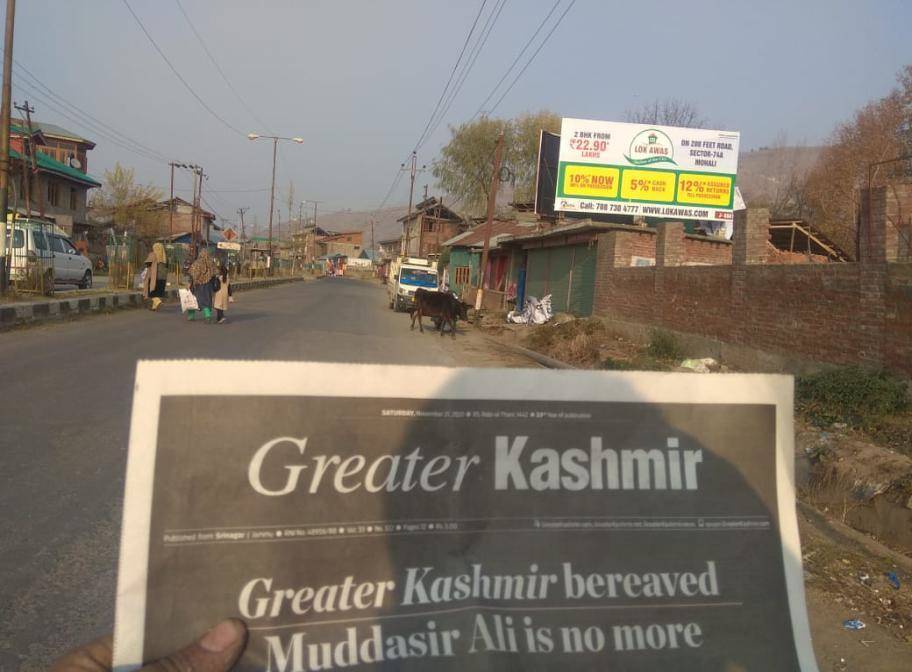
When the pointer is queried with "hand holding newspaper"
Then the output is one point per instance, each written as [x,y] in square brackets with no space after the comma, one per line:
[452,519]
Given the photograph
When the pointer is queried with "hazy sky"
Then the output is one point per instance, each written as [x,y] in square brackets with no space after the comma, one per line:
[358,80]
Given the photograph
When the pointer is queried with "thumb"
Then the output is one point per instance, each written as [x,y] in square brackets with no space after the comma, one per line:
[216,651]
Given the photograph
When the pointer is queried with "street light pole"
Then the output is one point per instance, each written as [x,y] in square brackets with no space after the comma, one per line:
[275,144]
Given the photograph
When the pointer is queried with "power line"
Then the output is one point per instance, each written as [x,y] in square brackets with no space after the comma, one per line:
[452,73]
[27,89]
[220,71]
[470,63]
[534,54]
[98,125]
[177,74]
[463,73]
[518,56]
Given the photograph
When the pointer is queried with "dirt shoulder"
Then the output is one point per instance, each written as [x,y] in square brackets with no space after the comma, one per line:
[854,498]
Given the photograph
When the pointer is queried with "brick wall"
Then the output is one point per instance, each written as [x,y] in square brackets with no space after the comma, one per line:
[703,250]
[841,313]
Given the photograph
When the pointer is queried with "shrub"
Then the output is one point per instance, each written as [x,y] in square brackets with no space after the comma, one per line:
[852,395]
[663,346]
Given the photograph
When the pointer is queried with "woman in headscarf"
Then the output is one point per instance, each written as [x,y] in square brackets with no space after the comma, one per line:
[202,271]
[156,275]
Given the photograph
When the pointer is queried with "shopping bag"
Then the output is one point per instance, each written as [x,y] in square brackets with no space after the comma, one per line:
[188,301]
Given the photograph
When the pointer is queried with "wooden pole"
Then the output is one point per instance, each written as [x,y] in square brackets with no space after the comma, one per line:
[171,204]
[489,224]
[5,138]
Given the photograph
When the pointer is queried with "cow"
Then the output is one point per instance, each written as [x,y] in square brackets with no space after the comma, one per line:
[443,307]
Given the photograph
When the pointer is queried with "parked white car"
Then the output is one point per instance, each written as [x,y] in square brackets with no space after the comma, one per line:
[41,246]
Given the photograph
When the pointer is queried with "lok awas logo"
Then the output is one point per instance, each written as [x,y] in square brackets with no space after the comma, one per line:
[650,146]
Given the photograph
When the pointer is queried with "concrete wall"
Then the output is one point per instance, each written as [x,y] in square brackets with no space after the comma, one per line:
[842,313]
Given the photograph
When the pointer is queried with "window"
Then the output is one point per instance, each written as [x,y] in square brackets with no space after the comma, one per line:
[418,277]
[72,198]
[461,276]
[57,244]
[40,240]
[18,238]
[53,193]
[428,224]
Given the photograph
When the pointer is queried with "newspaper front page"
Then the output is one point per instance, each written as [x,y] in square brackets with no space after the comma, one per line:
[413,518]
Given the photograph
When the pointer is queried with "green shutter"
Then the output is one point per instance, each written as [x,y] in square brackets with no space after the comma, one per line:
[537,273]
[559,281]
[582,287]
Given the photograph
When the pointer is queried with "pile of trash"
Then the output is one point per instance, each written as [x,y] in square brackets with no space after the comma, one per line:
[534,311]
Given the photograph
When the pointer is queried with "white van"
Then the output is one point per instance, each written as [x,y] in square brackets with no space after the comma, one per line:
[41,249]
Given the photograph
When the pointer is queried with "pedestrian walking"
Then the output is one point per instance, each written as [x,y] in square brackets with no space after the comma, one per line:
[202,273]
[156,276]
[223,296]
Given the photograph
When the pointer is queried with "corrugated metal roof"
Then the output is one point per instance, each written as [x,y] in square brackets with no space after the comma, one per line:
[50,130]
[50,165]
[500,229]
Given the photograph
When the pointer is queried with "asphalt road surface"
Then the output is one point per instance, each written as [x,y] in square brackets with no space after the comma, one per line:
[65,399]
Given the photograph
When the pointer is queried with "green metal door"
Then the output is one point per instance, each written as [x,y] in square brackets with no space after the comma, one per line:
[559,280]
[537,265]
[582,284]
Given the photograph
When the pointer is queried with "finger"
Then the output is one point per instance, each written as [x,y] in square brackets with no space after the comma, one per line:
[216,651]
[92,657]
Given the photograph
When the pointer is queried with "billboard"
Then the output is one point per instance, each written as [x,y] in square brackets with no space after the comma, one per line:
[646,170]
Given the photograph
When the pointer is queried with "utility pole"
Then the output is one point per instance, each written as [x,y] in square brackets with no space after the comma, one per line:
[194,215]
[5,138]
[241,212]
[27,151]
[425,192]
[202,176]
[171,203]
[275,145]
[492,199]
[413,171]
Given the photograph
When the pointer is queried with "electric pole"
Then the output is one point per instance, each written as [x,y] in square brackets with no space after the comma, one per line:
[27,160]
[171,203]
[241,212]
[413,171]
[492,199]
[275,145]
[5,138]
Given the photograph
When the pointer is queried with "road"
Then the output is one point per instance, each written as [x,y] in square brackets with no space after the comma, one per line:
[66,394]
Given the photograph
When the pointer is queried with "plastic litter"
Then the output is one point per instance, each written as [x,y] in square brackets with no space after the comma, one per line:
[893,579]
[854,624]
[534,311]
[704,365]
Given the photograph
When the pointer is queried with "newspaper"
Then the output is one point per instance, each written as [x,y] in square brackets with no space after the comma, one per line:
[382,517]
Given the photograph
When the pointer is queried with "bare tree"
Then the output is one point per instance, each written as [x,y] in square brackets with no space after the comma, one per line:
[667,112]
[875,134]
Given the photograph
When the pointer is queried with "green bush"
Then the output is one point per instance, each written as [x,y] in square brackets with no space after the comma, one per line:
[663,346]
[855,396]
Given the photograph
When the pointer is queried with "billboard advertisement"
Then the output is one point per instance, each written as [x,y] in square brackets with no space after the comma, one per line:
[646,170]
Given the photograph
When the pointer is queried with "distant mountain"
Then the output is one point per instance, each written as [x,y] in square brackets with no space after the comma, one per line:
[385,224]
[762,171]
